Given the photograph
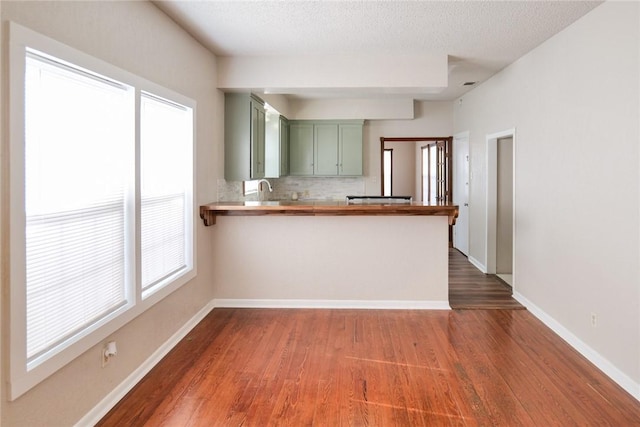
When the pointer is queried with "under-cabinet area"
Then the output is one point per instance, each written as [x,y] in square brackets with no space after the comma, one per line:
[262,143]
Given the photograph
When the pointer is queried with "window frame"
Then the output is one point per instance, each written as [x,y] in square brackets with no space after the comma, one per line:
[250,187]
[387,174]
[21,378]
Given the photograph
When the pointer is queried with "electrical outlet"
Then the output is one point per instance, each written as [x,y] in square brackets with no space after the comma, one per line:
[594,320]
[108,352]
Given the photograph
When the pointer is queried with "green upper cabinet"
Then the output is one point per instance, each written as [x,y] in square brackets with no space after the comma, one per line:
[350,149]
[244,137]
[276,145]
[326,148]
[300,149]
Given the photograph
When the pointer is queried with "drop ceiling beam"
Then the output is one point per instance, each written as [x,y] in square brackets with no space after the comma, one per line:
[346,74]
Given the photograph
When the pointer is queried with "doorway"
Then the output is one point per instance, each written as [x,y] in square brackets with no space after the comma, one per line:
[504,210]
[461,191]
[407,166]
[501,173]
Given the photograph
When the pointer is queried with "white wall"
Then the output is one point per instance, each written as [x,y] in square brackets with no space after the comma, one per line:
[137,37]
[374,261]
[574,102]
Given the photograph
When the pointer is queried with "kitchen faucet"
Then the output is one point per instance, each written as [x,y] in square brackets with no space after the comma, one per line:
[268,184]
[260,192]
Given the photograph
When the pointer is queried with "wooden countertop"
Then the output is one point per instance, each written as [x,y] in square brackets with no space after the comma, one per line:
[209,211]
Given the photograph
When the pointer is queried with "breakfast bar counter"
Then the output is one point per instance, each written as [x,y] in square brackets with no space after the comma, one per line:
[209,211]
[330,254]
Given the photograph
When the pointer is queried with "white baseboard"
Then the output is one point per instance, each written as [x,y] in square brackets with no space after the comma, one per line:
[110,400]
[304,303]
[608,368]
[477,264]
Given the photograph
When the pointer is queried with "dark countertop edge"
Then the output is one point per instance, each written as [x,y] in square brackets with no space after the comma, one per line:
[209,211]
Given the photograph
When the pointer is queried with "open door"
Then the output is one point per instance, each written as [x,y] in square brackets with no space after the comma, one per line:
[436,181]
[461,191]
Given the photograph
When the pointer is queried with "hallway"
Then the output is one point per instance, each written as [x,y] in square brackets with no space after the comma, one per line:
[470,289]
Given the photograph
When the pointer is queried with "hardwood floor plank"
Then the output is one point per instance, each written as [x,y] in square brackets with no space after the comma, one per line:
[501,406]
[447,399]
[522,375]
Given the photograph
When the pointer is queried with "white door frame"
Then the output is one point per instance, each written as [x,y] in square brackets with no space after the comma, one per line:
[461,136]
[492,199]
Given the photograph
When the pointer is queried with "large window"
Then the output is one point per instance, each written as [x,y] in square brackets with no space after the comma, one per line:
[79,145]
[165,183]
[101,202]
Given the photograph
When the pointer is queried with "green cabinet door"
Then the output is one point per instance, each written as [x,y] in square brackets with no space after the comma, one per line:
[300,149]
[257,140]
[350,150]
[244,131]
[326,150]
[284,146]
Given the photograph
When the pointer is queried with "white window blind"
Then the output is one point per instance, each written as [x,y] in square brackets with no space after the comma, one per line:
[78,177]
[165,189]
[101,202]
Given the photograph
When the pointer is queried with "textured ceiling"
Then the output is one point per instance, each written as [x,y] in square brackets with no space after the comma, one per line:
[480,37]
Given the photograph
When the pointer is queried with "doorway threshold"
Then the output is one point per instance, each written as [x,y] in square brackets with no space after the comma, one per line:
[506,278]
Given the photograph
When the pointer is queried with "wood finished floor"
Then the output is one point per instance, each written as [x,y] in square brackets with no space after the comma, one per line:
[287,367]
[469,288]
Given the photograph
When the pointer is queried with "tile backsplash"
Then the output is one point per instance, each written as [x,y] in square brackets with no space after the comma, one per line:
[307,188]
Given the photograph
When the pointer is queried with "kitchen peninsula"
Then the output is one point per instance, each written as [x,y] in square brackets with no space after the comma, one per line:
[209,212]
[330,254]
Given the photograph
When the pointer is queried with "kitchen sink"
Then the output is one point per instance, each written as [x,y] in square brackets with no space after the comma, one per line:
[263,203]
